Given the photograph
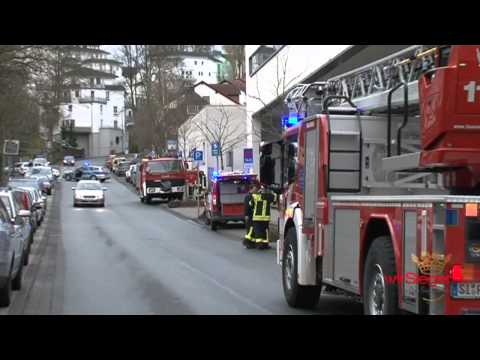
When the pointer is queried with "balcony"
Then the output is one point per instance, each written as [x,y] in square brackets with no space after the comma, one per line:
[89,99]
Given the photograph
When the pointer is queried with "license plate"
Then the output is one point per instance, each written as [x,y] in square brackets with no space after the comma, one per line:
[466,290]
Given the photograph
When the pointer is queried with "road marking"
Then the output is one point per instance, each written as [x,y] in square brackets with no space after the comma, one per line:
[226,288]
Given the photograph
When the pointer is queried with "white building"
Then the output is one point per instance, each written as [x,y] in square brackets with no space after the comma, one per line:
[196,133]
[199,67]
[95,109]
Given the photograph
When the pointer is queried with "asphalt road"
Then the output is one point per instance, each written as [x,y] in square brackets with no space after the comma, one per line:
[132,258]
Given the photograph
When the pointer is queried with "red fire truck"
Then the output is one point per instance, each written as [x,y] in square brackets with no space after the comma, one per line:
[381,185]
[162,178]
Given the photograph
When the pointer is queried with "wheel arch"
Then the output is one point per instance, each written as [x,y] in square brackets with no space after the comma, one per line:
[377,226]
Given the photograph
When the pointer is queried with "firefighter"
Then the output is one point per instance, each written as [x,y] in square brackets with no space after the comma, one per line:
[262,202]
[248,206]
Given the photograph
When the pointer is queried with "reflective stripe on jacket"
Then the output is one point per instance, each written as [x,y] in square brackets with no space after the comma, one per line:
[261,206]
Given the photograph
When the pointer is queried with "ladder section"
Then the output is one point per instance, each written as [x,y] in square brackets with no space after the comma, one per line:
[345,154]
[368,86]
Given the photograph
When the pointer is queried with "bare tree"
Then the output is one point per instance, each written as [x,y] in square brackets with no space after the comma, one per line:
[236,56]
[220,126]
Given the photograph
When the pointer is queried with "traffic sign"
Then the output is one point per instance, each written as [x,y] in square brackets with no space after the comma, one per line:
[198,155]
[11,147]
[215,149]
[248,156]
[171,145]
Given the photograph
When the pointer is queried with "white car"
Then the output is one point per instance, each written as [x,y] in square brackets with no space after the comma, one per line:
[89,192]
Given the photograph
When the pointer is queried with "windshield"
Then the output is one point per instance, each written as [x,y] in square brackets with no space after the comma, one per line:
[41,171]
[69,157]
[291,157]
[89,186]
[165,166]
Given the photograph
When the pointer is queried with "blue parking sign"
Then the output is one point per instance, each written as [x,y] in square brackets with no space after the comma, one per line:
[198,155]
[215,149]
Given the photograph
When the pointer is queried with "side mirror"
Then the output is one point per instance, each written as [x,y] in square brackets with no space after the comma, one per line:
[24,213]
[73,187]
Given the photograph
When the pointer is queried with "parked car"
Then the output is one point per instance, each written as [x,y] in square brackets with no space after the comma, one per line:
[86,173]
[42,171]
[26,182]
[38,205]
[39,161]
[45,184]
[69,160]
[13,200]
[122,168]
[115,162]
[11,262]
[104,170]
[128,173]
[89,192]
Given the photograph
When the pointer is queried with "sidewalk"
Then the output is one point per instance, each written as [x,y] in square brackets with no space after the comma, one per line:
[191,213]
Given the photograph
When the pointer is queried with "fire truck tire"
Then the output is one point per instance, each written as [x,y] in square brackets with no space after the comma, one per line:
[379,297]
[148,199]
[297,296]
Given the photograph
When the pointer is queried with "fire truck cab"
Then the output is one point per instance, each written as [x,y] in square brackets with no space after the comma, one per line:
[384,204]
[162,178]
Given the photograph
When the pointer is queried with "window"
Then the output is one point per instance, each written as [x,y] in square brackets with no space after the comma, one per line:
[108,95]
[115,110]
[101,109]
[261,56]
[77,93]
[115,125]
[230,159]
[70,108]
[206,98]
[195,62]
[92,94]
[209,74]
[92,82]
[117,140]
[98,81]
[202,62]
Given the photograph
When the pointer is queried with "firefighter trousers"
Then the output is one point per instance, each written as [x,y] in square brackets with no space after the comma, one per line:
[260,232]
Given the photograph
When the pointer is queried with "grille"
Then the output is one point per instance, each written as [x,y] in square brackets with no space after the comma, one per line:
[173,182]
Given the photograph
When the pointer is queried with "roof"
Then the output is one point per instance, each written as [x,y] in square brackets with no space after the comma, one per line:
[238,83]
[87,72]
[226,89]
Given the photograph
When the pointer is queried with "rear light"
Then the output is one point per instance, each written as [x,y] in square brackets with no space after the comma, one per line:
[460,273]
[456,273]
[214,200]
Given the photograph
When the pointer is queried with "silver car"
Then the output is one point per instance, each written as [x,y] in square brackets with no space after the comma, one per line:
[89,192]
[11,254]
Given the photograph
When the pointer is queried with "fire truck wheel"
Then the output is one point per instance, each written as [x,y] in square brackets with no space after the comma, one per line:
[379,297]
[297,296]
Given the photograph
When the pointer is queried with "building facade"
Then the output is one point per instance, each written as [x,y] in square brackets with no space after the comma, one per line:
[208,125]
[95,109]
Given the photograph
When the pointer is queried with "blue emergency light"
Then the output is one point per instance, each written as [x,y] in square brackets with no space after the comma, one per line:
[291,120]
